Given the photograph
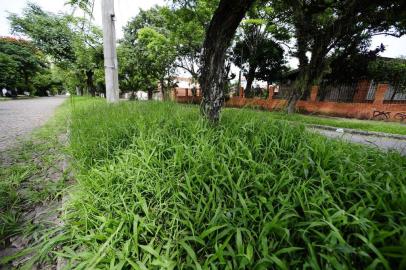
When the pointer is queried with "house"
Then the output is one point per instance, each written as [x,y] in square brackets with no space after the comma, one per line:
[185,86]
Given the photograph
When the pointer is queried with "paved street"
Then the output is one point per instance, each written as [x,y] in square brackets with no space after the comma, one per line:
[19,117]
[383,143]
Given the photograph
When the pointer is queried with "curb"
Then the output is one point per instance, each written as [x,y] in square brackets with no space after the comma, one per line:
[360,132]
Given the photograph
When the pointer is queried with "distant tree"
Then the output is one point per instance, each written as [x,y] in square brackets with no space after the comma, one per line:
[391,71]
[48,31]
[72,43]
[258,51]
[388,70]
[352,64]
[88,49]
[9,70]
[146,53]
[321,27]
[160,54]
[152,18]
[20,62]
[46,82]
[187,23]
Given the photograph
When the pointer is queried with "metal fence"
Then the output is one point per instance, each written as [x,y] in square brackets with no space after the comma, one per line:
[348,92]
[371,91]
[283,91]
[337,92]
[396,93]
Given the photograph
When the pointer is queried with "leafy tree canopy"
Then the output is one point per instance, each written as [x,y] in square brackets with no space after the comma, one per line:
[20,61]
[388,70]
[72,43]
[50,32]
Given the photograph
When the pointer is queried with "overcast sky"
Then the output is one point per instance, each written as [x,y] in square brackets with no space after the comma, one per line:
[126,9]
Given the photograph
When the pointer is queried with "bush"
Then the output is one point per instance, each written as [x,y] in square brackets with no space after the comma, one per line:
[157,187]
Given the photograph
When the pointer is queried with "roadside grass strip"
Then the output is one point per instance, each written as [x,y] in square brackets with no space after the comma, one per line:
[160,188]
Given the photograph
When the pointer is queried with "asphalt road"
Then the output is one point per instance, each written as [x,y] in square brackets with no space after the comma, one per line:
[19,117]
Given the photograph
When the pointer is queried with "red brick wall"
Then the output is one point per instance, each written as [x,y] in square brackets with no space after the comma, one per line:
[359,109]
[361,91]
[184,92]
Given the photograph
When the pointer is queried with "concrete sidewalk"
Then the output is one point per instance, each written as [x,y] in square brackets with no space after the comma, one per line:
[374,139]
[19,117]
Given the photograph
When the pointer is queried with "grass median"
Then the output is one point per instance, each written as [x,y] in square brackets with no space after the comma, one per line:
[351,123]
[159,188]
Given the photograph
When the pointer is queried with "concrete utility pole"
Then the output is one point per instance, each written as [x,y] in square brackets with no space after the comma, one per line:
[109,49]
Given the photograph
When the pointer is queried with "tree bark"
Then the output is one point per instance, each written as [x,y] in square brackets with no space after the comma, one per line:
[78,91]
[150,94]
[161,82]
[89,82]
[250,80]
[220,32]
[169,87]
[310,72]
[26,82]
[299,86]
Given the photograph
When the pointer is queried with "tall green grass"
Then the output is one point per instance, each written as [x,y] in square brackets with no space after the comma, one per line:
[25,180]
[367,125]
[159,188]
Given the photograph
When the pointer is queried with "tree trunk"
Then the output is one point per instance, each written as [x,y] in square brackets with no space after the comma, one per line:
[78,91]
[250,80]
[150,94]
[223,25]
[292,101]
[161,81]
[394,94]
[310,72]
[89,82]
[267,89]
[26,83]
[299,86]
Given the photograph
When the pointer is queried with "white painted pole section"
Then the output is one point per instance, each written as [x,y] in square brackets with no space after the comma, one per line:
[109,50]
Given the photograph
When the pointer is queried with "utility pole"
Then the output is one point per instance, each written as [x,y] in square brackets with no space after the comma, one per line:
[109,50]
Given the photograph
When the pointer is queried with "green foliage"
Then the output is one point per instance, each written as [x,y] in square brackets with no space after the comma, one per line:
[157,50]
[257,50]
[151,18]
[9,68]
[187,22]
[72,43]
[159,188]
[20,63]
[388,70]
[322,27]
[177,31]
[351,65]
[47,81]
[50,32]
[146,54]
[267,58]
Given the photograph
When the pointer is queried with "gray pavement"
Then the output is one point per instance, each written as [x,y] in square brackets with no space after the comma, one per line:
[383,143]
[19,117]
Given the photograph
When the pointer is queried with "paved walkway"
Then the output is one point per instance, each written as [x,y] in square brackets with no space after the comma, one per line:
[382,143]
[20,117]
